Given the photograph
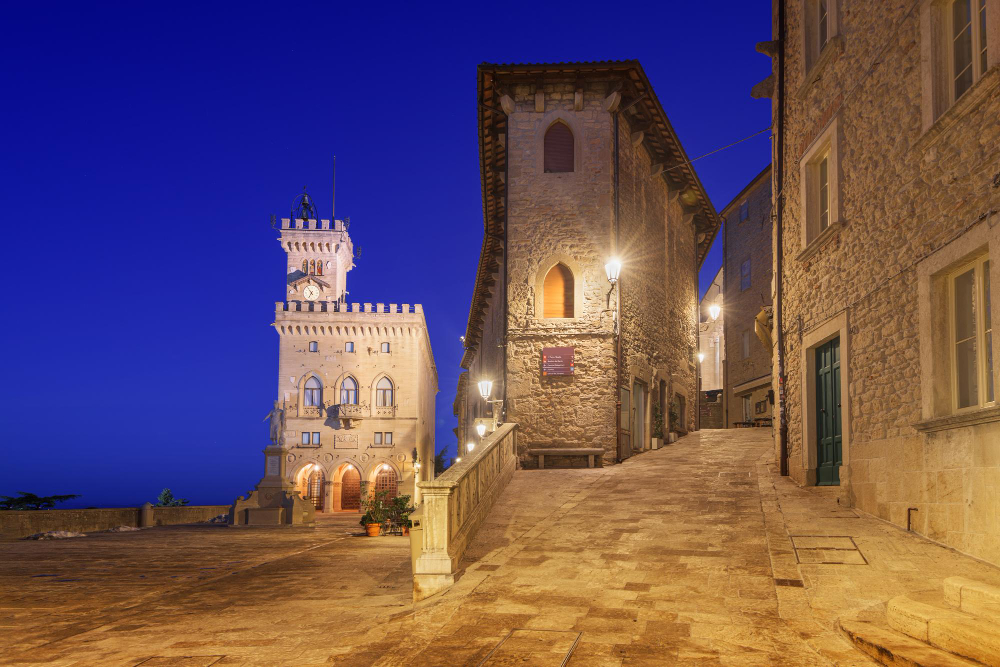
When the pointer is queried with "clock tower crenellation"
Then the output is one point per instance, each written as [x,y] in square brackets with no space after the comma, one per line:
[319,256]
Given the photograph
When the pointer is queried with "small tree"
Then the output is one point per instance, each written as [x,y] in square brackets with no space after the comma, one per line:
[657,421]
[441,463]
[374,505]
[166,499]
[30,501]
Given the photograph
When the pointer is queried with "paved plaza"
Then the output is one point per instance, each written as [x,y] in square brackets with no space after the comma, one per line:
[694,554]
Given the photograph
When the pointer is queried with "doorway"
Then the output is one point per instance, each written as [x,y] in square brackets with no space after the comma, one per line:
[829,439]
[350,490]
[638,416]
[312,486]
[625,436]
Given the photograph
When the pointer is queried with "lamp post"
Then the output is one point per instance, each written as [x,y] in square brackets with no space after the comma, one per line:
[485,389]
[613,269]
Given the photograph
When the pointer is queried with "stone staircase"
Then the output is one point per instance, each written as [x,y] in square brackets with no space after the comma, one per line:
[960,626]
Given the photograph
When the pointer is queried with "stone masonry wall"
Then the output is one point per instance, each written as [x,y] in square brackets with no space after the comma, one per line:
[659,286]
[563,217]
[905,193]
[750,239]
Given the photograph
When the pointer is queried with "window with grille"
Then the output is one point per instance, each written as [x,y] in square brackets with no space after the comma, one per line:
[558,148]
[386,481]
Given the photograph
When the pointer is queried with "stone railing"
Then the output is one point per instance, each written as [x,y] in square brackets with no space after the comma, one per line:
[385,411]
[16,523]
[454,505]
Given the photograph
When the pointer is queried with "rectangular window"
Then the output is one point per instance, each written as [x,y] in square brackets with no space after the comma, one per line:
[823,28]
[388,437]
[968,44]
[823,192]
[348,347]
[313,346]
[744,211]
[385,347]
[305,438]
[747,415]
[745,276]
[378,438]
[746,345]
[315,438]
[972,335]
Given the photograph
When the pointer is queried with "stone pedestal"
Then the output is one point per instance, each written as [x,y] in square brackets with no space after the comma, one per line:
[275,501]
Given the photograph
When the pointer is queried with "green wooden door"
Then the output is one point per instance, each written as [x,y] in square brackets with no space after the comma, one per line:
[828,431]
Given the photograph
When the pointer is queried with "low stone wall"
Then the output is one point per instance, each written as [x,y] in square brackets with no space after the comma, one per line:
[15,524]
[455,505]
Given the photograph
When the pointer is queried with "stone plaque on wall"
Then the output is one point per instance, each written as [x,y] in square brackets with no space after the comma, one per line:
[345,441]
[557,360]
[273,466]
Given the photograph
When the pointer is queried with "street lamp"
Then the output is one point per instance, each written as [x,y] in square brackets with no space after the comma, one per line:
[701,357]
[613,268]
[480,429]
[485,389]
[714,310]
[469,447]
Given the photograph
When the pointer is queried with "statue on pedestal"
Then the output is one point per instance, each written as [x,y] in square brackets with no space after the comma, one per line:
[277,417]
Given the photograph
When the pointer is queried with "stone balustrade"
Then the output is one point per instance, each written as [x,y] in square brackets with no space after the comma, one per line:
[454,506]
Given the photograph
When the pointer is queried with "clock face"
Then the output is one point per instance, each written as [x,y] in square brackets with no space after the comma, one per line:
[311,292]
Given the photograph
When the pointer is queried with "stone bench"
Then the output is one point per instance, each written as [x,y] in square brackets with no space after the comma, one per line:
[589,452]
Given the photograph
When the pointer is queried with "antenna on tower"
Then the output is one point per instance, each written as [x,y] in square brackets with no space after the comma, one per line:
[333,196]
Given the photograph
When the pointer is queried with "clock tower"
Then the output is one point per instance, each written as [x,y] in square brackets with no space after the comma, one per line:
[319,255]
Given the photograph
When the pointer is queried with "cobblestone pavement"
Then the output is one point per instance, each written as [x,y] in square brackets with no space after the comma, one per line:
[694,554]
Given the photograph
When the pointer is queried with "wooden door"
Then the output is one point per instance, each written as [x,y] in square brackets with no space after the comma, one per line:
[638,416]
[625,436]
[828,426]
[350,490]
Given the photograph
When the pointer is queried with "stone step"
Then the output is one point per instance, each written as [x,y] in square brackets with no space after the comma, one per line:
[888,647]
[948,629]
[973,597]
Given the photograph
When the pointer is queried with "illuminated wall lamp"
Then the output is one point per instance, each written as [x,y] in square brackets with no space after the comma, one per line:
[714,310]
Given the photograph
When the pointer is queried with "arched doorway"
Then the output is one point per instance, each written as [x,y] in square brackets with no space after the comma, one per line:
[350,490]
[386,480]
[311,484]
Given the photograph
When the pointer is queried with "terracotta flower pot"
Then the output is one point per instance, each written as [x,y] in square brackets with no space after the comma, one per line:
[373,529]
[406,531]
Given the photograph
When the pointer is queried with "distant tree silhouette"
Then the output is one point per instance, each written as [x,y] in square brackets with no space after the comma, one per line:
[166,499]
[29,501]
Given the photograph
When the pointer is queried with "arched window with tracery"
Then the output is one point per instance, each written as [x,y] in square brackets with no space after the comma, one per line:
[349,391]
[558,148]
[383,392]
[557,292]
[313,392]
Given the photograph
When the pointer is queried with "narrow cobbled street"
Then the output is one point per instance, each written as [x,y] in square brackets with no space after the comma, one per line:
[694,554]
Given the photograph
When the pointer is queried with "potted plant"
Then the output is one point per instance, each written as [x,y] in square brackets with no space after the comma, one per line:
[375,510]
[657,426]
[399,512]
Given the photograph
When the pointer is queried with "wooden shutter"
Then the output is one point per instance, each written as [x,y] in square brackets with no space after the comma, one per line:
[558,148]
[558,292]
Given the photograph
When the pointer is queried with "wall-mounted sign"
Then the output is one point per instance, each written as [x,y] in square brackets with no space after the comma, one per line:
[557,360]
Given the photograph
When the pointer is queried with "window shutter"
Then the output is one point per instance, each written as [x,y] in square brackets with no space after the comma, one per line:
[558,148]
[558,292]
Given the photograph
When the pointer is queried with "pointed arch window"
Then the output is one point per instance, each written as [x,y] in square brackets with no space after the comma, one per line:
[319,268]
[383,393]
[558,292]
[558,148]
[305,266]
[312,266]
[313,392]
[349,391]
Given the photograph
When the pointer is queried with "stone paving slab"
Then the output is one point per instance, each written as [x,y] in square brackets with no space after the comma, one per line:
[691,554]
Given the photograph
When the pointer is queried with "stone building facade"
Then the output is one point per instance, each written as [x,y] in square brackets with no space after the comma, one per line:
[356,381]
[747,260]
[711,355]
[888,163]
[580,165]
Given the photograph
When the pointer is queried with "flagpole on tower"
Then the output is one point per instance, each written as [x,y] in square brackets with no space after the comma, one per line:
[333,196]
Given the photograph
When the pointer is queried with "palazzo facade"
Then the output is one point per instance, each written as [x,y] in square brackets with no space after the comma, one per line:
[356,381]
[580,167]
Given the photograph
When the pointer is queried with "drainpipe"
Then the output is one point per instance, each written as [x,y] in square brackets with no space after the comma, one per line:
[779,179]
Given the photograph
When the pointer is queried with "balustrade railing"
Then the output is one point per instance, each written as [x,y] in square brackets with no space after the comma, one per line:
[454,505]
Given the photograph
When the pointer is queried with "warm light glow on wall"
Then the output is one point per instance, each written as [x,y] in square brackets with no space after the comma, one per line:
[481,429]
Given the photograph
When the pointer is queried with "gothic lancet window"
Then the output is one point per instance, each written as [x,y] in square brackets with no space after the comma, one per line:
[349,391]
[383,392]
[558,292]
[319,268]
[558,148]
[305,266]
[313,392]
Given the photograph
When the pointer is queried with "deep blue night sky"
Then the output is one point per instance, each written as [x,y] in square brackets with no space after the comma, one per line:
[147,145]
